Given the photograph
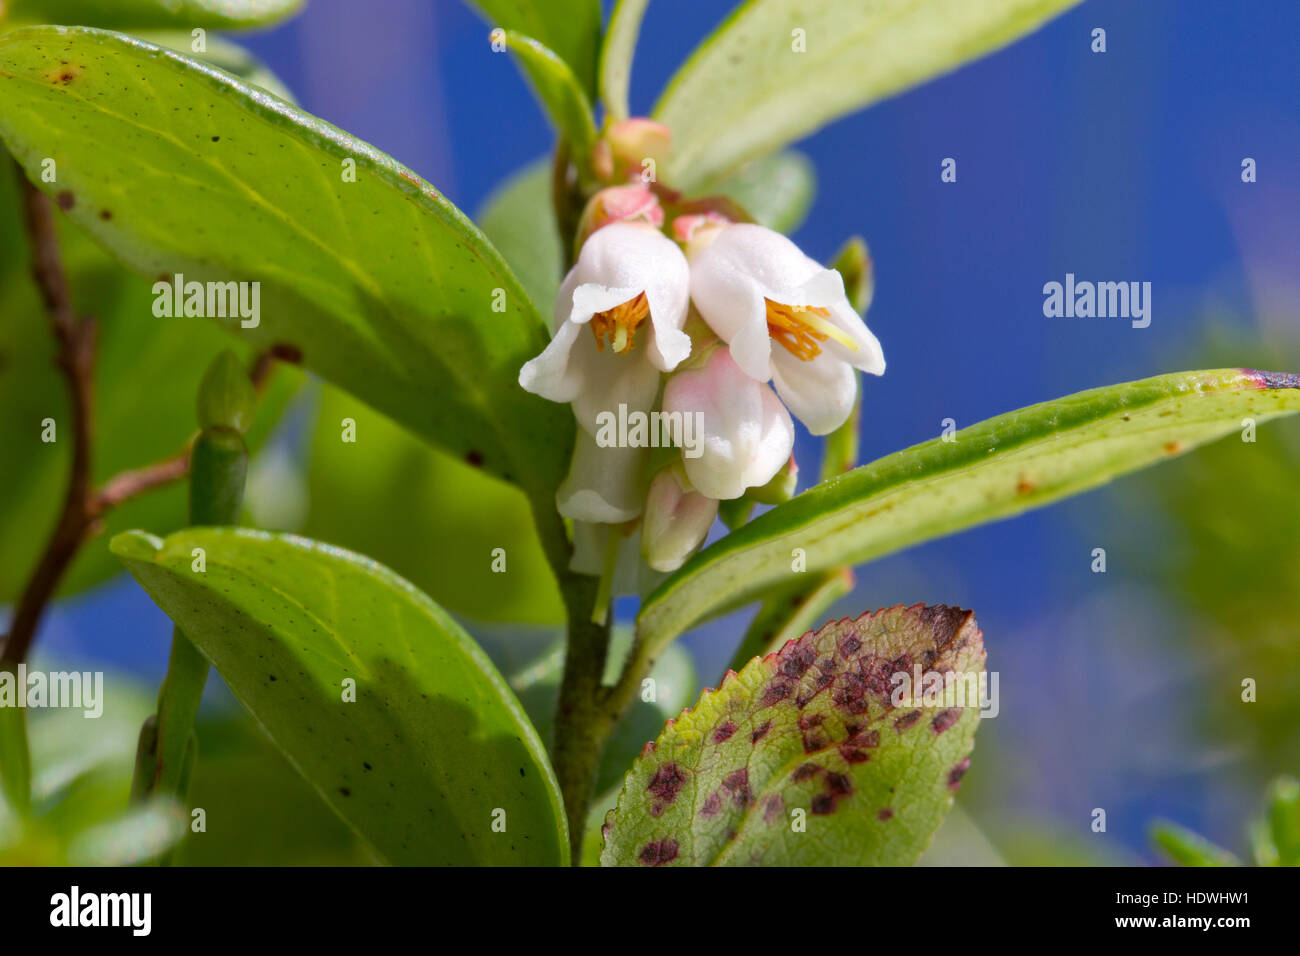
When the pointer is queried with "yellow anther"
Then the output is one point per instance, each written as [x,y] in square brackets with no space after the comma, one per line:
[620,323]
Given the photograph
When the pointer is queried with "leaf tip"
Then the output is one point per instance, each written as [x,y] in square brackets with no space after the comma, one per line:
[136,545]
[1272,380]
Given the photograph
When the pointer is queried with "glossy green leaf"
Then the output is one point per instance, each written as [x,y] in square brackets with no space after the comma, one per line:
[442,524]
[558,89]
[153,14]
[803,759]
[145,424]
[383,286]
[616,55]
[1188,848]
[571,29]
[992,470]
[777,190]
[225,55]
[435,744]
[748,90]
[519,219]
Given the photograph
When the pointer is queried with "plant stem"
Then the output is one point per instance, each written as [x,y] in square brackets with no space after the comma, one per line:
[15,758]
[218,467]
[582,725]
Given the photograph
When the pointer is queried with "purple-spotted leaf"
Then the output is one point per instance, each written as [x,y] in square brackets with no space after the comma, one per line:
[818,754]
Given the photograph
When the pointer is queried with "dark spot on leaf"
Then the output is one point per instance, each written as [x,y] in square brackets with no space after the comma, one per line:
[822,805]
[106,214]
[772,807]
[736,783]
[658,852]
[724,732]
[216,139]
[666,783]
[712,804]
[474,458]
[1024,486]
[65,200]
[804,771]
[957,772]
[345,791]
[775,692]
[852,754]
[884,813]
[760,732]
[945,719]
[367,766]
[906,721]
[850,646]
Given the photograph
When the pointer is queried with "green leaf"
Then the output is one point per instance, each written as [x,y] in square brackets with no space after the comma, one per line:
[225,55]
[383,286]
[154,14]
[616,56]
[571,29]
[746,92]
[789,612]
[776,190]
[1282,822]
[434,744]
[1188,848]
[558,89]
[146,423]
[519,219]
[994,469]
[803,759]
[434,520]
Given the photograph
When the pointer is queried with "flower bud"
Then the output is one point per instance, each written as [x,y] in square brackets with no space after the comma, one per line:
[677,520]
[619,204]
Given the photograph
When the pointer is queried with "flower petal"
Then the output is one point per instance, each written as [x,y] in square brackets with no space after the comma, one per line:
[747,433]
[820,393]
[677,520]
[604,485]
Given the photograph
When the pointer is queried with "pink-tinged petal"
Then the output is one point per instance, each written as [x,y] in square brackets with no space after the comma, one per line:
[604,485]
[820,393]
[677,520]
[747,433]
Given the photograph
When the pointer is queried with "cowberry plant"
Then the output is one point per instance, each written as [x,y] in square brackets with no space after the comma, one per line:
[574,460]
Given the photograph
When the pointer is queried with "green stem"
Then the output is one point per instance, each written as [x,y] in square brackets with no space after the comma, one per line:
[15,757]
[582,725]
[218,467]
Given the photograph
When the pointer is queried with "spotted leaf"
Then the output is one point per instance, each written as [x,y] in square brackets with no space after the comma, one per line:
[817,754]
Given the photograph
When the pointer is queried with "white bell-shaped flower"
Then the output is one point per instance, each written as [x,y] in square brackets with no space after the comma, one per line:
[605,484]
[786,318]
[677,519]
[747,434]
[618,324]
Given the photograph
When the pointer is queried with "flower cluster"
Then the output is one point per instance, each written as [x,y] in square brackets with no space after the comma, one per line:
[707,342]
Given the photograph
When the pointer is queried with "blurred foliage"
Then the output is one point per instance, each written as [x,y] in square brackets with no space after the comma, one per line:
[1228,524]
[1274,837]
[431,518]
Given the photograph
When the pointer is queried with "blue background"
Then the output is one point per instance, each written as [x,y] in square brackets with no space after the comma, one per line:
[1116,166]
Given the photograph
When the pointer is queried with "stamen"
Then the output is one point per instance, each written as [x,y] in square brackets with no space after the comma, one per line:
[801,327]
[620,323]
